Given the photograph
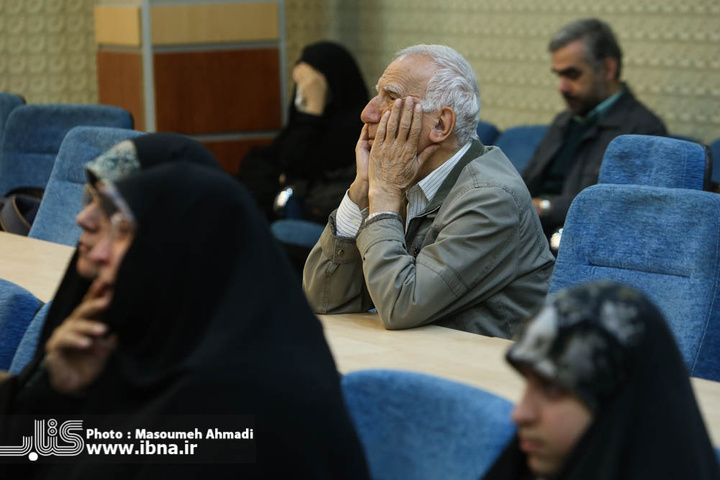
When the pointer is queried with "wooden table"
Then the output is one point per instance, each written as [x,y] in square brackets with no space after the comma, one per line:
[358,341]
[33,264]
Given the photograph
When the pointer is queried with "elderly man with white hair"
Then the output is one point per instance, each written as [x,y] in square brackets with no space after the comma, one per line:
[436,227]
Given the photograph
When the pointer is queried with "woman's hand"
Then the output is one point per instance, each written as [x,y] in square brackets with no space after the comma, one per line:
[312,86]
[78,350]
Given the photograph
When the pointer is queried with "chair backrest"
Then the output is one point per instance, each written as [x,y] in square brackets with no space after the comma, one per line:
[487,132]
[656,161]
[8,102]
[33,135]
[55,220]
[715,149]
[662,241]
[17,309]
[26,347]
[302,233]
[416,427]
[519,143]
[686,138]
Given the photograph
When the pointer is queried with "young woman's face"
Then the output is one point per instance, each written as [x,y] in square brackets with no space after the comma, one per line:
[550,422]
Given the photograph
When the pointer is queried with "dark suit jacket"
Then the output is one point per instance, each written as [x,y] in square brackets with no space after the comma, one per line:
[626,116]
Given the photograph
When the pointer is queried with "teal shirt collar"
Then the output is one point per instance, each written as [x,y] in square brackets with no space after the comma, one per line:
[601,109]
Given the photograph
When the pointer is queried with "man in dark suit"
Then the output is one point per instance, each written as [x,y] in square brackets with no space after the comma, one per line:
[587,60]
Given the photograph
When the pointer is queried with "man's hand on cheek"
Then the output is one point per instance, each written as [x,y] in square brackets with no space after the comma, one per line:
[358,192]
[394,163]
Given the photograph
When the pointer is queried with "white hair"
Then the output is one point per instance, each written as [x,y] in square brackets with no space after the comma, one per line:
[453,85]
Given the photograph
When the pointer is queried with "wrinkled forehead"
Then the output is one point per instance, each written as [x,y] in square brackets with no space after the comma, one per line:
[115,164]
[407,75]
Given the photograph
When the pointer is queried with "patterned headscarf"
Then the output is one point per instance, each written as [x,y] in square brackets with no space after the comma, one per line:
[612,348]
[583,340]
[118,162]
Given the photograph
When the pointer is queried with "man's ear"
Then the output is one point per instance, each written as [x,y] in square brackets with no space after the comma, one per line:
[444,125]
[611,69]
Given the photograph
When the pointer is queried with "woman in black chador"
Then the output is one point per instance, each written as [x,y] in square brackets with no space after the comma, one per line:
[204,319]
[315,151]
[124,159]
[608,396]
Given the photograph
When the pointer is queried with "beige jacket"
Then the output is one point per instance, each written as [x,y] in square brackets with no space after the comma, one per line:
[476,259]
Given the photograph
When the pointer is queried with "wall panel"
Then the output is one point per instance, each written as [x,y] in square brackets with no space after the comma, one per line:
[219,23]
[47,50]
[217,92]
[209,69]
[118,25]
[120,82]
[671,49]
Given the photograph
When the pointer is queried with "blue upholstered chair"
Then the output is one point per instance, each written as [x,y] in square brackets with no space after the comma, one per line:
[55,220]
[656,161]
[663,241]
[26,348]
[17,308]
[519,143]
[648,224]
[8,102]
[715,148]
[297,232]
[686,138]
[487,132]
[33,134]
[416,427]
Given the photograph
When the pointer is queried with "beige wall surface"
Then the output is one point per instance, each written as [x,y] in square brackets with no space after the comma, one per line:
[671,49]
[214,23]
[47,50]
